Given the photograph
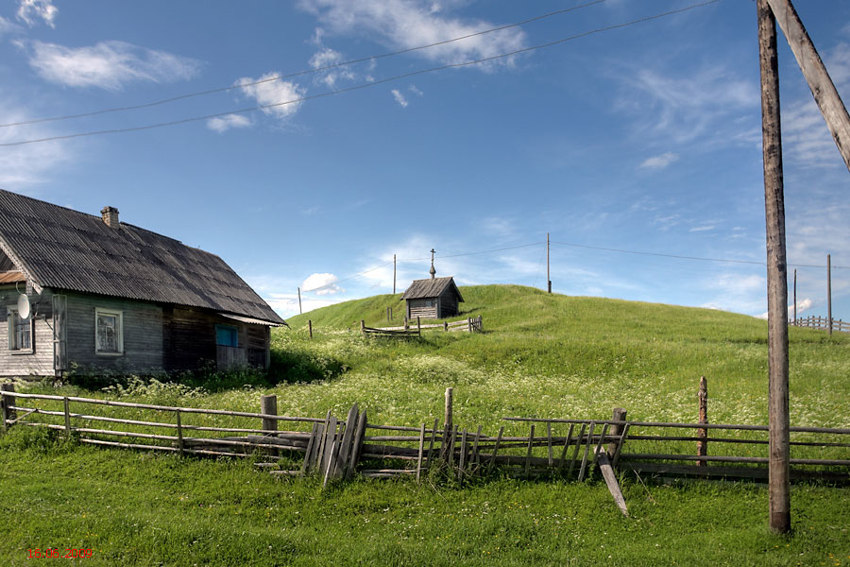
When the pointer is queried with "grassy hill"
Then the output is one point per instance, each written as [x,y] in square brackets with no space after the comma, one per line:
[543,355]
[559,356]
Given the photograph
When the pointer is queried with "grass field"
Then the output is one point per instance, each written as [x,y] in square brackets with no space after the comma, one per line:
[542,355]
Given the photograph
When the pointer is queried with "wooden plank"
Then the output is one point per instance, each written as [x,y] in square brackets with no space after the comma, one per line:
[495,449]
[315,436]
[347,440]
[476,457]
[421,453]
[566,447]
[67,419]
[616,457]
[528,453]
[462,459]
[611,481]
[357,444]
[823,89]
[431,444]
[579,441]
[328,444]
[179,433]
[586,452]
[549,442]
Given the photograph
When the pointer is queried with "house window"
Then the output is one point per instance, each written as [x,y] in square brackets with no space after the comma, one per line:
[226,335]
[20,332]
[109,331]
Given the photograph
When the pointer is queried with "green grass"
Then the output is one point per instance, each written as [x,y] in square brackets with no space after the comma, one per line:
[542,355]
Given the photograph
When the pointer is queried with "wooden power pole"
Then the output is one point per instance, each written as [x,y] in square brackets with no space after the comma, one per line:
[777,276]
[829,291]
[548,276]
[394,273]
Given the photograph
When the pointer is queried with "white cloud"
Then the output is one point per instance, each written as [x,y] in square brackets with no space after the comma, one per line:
[30,11]
[660,162]
[30,164]
[404,24]
[108,65]
[225,123]
[801,307]
[399,98]
[702,228]
[325,62]
[321,284]
[281,99]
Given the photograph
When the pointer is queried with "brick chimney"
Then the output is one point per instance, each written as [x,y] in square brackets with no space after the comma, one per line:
[110,216]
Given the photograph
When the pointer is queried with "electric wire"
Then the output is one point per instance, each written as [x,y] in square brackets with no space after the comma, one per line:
[278,76]
[361,86]
[681,257]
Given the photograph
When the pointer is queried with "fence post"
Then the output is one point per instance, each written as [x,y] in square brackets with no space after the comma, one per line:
[406,324]
[445,325]
[179,434]
[616,429]
[418,326]
[7,403]
[469,324]
[702,433]
[268,406]
[310,327]
[362,327]
[448,417]
[67,419]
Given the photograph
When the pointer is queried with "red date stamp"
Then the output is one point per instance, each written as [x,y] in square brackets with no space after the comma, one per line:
[58,553]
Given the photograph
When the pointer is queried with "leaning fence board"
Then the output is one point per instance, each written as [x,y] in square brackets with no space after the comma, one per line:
[611,481]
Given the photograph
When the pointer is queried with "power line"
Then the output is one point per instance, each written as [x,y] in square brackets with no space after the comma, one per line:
[680,257]
[299,100]
[278,76]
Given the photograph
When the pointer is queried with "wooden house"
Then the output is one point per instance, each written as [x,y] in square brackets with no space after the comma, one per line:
[434,298]
[109,296]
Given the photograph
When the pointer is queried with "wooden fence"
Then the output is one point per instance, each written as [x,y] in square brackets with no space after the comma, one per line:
[822,323]
[470,324]
[340,448]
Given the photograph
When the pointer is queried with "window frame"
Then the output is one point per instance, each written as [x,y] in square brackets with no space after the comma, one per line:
[119,315]
[234,333]
[12,316]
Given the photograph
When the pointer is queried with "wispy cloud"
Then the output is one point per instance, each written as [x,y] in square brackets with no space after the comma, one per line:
[660,162]
[699,104]
[25,166]
[108,65]
[271,90]
[6,27]
[33,11]
[403,24]
[225,123]
[399,98]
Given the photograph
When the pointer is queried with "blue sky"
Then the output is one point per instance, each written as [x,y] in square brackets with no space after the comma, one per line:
[641,138]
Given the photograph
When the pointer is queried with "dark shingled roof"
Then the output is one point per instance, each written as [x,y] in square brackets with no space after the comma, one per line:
[64,249]
[421,289]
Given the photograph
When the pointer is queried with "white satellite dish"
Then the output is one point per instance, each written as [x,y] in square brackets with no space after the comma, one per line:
[24,306]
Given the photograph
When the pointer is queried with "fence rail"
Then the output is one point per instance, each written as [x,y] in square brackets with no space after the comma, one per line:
[822,323]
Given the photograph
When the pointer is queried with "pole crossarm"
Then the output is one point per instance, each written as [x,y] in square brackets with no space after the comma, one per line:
[823,89]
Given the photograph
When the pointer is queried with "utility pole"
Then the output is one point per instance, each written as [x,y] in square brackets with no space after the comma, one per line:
[394,273]
[829,291]
[299,302]
[777,276]
[548,277]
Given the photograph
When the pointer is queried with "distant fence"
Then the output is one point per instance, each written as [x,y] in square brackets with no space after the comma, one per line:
[414,329]
[822,323]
